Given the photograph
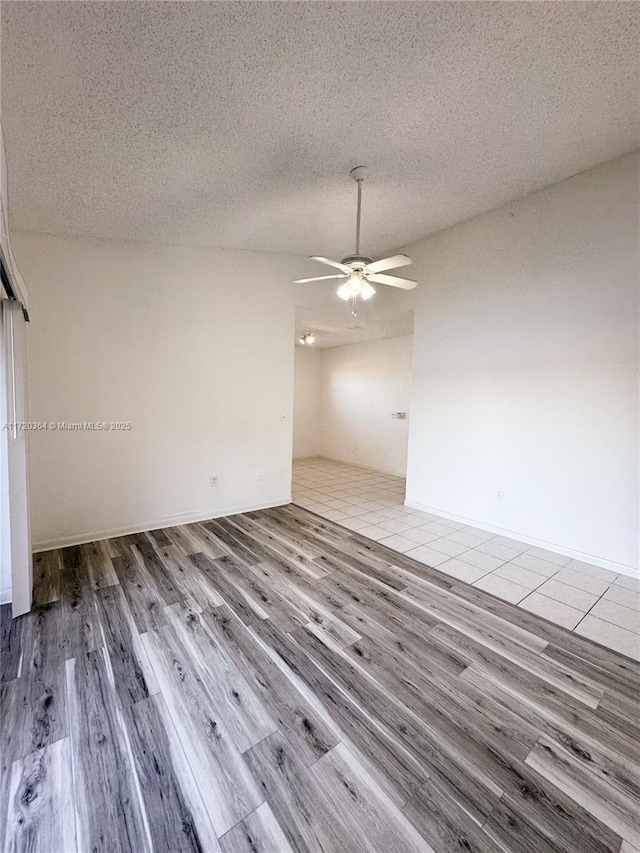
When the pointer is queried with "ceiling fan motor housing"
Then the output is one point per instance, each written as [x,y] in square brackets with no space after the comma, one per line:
[357,262]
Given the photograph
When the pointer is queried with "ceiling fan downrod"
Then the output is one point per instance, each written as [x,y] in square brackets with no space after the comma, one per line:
[358,176]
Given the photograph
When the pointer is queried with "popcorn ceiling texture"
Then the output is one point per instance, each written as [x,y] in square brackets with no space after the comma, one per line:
[235,124]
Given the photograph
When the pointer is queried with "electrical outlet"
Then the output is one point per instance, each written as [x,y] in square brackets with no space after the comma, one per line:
[259,475]
[213,480]
[500,494]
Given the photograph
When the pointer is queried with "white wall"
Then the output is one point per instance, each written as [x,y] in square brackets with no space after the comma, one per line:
[525,369]
[362,384]
[192,346]
[306,402]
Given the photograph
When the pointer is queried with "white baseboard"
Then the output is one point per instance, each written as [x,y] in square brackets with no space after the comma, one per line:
[169,521]
[603,563]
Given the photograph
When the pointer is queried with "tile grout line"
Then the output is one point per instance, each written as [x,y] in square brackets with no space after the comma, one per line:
[607,620]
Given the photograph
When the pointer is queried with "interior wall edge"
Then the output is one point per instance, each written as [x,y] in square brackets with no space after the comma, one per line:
[602,562]
[158,524]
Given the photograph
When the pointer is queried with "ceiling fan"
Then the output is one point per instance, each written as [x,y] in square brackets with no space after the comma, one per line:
[358,272]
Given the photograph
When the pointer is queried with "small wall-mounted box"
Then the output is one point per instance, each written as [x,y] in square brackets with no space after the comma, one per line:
[401,416]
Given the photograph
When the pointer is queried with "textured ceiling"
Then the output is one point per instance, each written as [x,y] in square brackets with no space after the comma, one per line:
[236,124]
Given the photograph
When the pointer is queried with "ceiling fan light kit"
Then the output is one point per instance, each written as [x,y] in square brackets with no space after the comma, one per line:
[356,285]
[359,272]
[308,338]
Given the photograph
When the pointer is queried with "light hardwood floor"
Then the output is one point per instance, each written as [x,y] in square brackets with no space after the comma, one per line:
[273,682]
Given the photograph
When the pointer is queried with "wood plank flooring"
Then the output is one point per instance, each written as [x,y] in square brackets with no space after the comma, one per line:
[272,682]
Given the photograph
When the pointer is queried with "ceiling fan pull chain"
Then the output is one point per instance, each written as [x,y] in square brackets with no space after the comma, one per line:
[354,303]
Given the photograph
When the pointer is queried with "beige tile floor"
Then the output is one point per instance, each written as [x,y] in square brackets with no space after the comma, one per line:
[587,599]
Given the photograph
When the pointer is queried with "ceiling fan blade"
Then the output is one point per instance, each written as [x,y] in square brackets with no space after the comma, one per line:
[391,263]
[391,280]
[319,278]
[338,266]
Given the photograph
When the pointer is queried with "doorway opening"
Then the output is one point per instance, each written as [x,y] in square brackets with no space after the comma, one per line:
[351,417]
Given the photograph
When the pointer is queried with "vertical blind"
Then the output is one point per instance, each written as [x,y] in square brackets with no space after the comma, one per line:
[15,534]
